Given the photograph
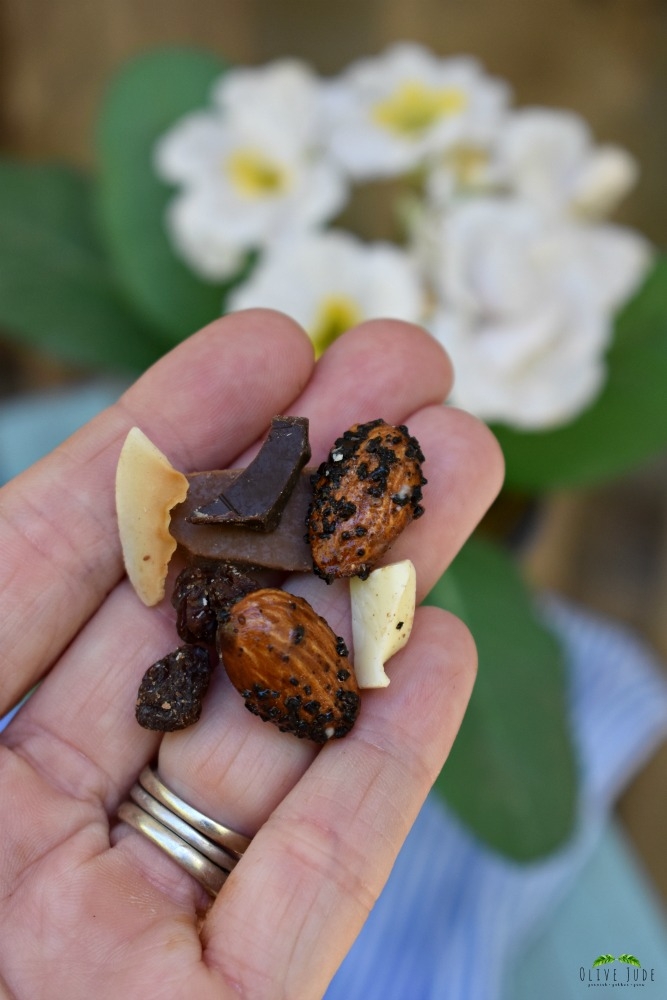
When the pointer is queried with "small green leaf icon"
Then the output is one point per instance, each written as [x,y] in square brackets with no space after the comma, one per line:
[603,960]
[630,960]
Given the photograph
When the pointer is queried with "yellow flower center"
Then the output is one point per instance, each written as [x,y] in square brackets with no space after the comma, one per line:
[254,175]
[467,163]
[414,107]
[335,315]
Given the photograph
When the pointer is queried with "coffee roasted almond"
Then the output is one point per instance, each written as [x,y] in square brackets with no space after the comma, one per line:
[364,495]
[289,666]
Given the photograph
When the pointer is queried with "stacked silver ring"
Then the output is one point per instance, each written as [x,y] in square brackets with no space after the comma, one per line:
[203,847]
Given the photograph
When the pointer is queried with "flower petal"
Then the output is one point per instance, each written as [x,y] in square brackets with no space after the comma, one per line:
[333,280]
[388,114]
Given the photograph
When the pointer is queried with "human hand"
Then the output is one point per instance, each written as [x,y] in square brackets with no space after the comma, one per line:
[91,907]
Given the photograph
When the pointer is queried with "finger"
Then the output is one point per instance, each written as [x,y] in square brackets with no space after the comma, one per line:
[91,709]
[404,363]
[202,404]
[291,910]
[380,368]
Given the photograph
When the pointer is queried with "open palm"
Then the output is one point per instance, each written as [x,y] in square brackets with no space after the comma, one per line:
[89,906]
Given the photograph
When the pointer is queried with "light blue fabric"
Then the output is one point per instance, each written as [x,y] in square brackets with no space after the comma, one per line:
[455,918]
[612,909]
[456,921]
[32,425]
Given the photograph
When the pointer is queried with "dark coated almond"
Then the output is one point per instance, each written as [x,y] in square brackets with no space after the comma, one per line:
[364,495]
[289,666]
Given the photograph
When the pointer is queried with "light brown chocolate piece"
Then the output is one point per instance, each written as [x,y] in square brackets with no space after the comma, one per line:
[285,548]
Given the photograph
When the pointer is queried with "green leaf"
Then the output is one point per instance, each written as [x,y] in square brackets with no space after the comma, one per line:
[624,426]
[511,774]
[603,960]
[57,292]
[144,100]
[630,960]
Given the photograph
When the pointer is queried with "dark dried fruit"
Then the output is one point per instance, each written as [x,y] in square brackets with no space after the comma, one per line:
[364,495]
[202,595]
[289,666]
[171,691]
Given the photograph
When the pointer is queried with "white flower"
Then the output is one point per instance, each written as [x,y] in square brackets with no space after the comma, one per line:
[544,384]
[249,172]
[330,281]
[193,223]
[282,93]
[388,114]
[525,307]
[549,156]
[467,169]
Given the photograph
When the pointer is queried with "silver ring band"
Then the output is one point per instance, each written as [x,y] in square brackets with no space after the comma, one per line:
[216,854]
[177,828]
[232,842]
[207,874]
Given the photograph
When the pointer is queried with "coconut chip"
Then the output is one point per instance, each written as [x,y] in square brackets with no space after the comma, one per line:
[147,487]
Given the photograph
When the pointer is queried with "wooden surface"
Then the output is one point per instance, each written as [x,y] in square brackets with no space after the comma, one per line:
[607,548]
[603,58]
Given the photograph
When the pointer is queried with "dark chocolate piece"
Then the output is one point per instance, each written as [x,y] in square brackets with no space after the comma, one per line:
[283,549]
[202,595]
[258,495]
[171,691]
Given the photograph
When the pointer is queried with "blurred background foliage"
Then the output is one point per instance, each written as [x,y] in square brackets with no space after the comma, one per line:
[603,544]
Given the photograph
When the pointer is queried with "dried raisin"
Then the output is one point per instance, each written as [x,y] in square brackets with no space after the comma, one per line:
[171,691]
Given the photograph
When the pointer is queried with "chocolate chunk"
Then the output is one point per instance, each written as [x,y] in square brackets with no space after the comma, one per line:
[258,495]
[171,691]
[285,548]
[202,594]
